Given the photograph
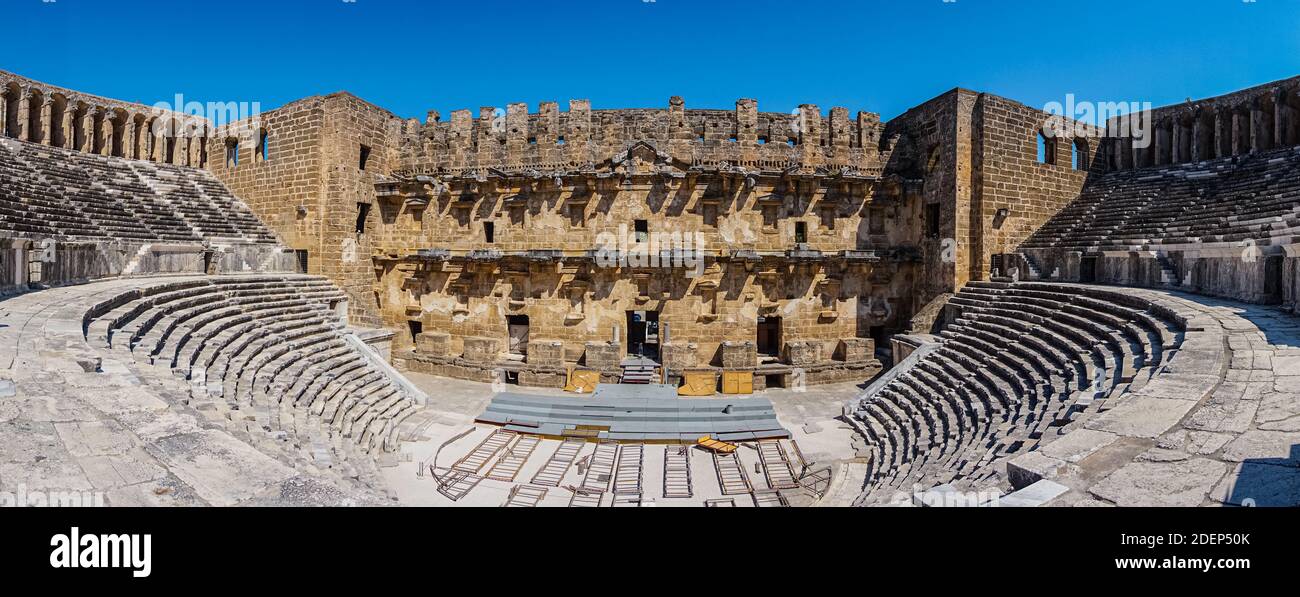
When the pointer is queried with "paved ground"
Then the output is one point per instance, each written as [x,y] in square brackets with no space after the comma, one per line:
[123,435]
[810,417]
[1221,426]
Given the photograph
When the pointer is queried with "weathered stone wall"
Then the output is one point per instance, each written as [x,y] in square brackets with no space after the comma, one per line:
[1008,175]
[286,190]
[57,263]
[549,138]
[934,148]
[585,305]
[976,154]
[311,182]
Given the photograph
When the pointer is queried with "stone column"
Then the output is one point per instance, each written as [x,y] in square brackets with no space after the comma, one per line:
[1161,145]
[110,134]
[1279,119]
[46,133]
[128,138]
[1219,135]
[1199,134]
[1256,128]
[160,146]
[1176,143]
[67,127]
[1240,143]
[87,131]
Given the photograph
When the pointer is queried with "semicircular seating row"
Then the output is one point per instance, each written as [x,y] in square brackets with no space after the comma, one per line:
[269,350]
[1017,362]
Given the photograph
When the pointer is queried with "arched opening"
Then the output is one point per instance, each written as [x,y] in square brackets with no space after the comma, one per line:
[1183,142]
[1165,143]
[232,152]
[98,132]
[79,127]
[1291,117]
[58,114]
[118,123]
[12,99]
[1241,132]
[1046,149]
[1223,133]
[1204,131]
[1264,133]
[263,151]
[35,105]
[1079,158]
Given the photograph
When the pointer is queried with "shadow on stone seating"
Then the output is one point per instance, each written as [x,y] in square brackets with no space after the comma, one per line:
[1267,482]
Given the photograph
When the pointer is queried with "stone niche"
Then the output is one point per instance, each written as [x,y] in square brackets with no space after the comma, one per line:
[680,356]
[739,355]
[857,350]
[434,344]
[482,350]
[546,353]
[604,356]
[804,353]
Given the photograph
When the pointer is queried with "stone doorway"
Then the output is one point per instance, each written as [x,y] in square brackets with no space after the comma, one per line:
[518,329]
[643,334]
[1088,270]
[769,337]
[1273,280]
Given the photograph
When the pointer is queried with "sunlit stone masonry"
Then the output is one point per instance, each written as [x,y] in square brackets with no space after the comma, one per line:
[329,304]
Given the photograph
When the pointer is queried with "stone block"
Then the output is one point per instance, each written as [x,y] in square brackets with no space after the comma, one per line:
[434,344]
[546,353]
[482,350]
[802,354]
[855,350]
[603,356]
[680,356]
[739,355]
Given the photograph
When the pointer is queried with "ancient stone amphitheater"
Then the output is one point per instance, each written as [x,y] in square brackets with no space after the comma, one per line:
[1092,320]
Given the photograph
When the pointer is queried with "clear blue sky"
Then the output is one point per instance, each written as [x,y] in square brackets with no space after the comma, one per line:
[884,56]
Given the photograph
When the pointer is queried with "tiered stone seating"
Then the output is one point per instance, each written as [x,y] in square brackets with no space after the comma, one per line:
[60,193]
[263,355]
[1018,364]
[1244,198]
[32,206]
[115,177]
[64,175]
[220,217]
[243,219]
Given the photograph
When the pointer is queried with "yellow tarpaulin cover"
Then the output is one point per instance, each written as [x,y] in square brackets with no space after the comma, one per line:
[737,382]
[583,382]
[721,447]
[698,383]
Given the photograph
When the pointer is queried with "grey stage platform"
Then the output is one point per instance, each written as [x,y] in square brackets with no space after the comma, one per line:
[637,414]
